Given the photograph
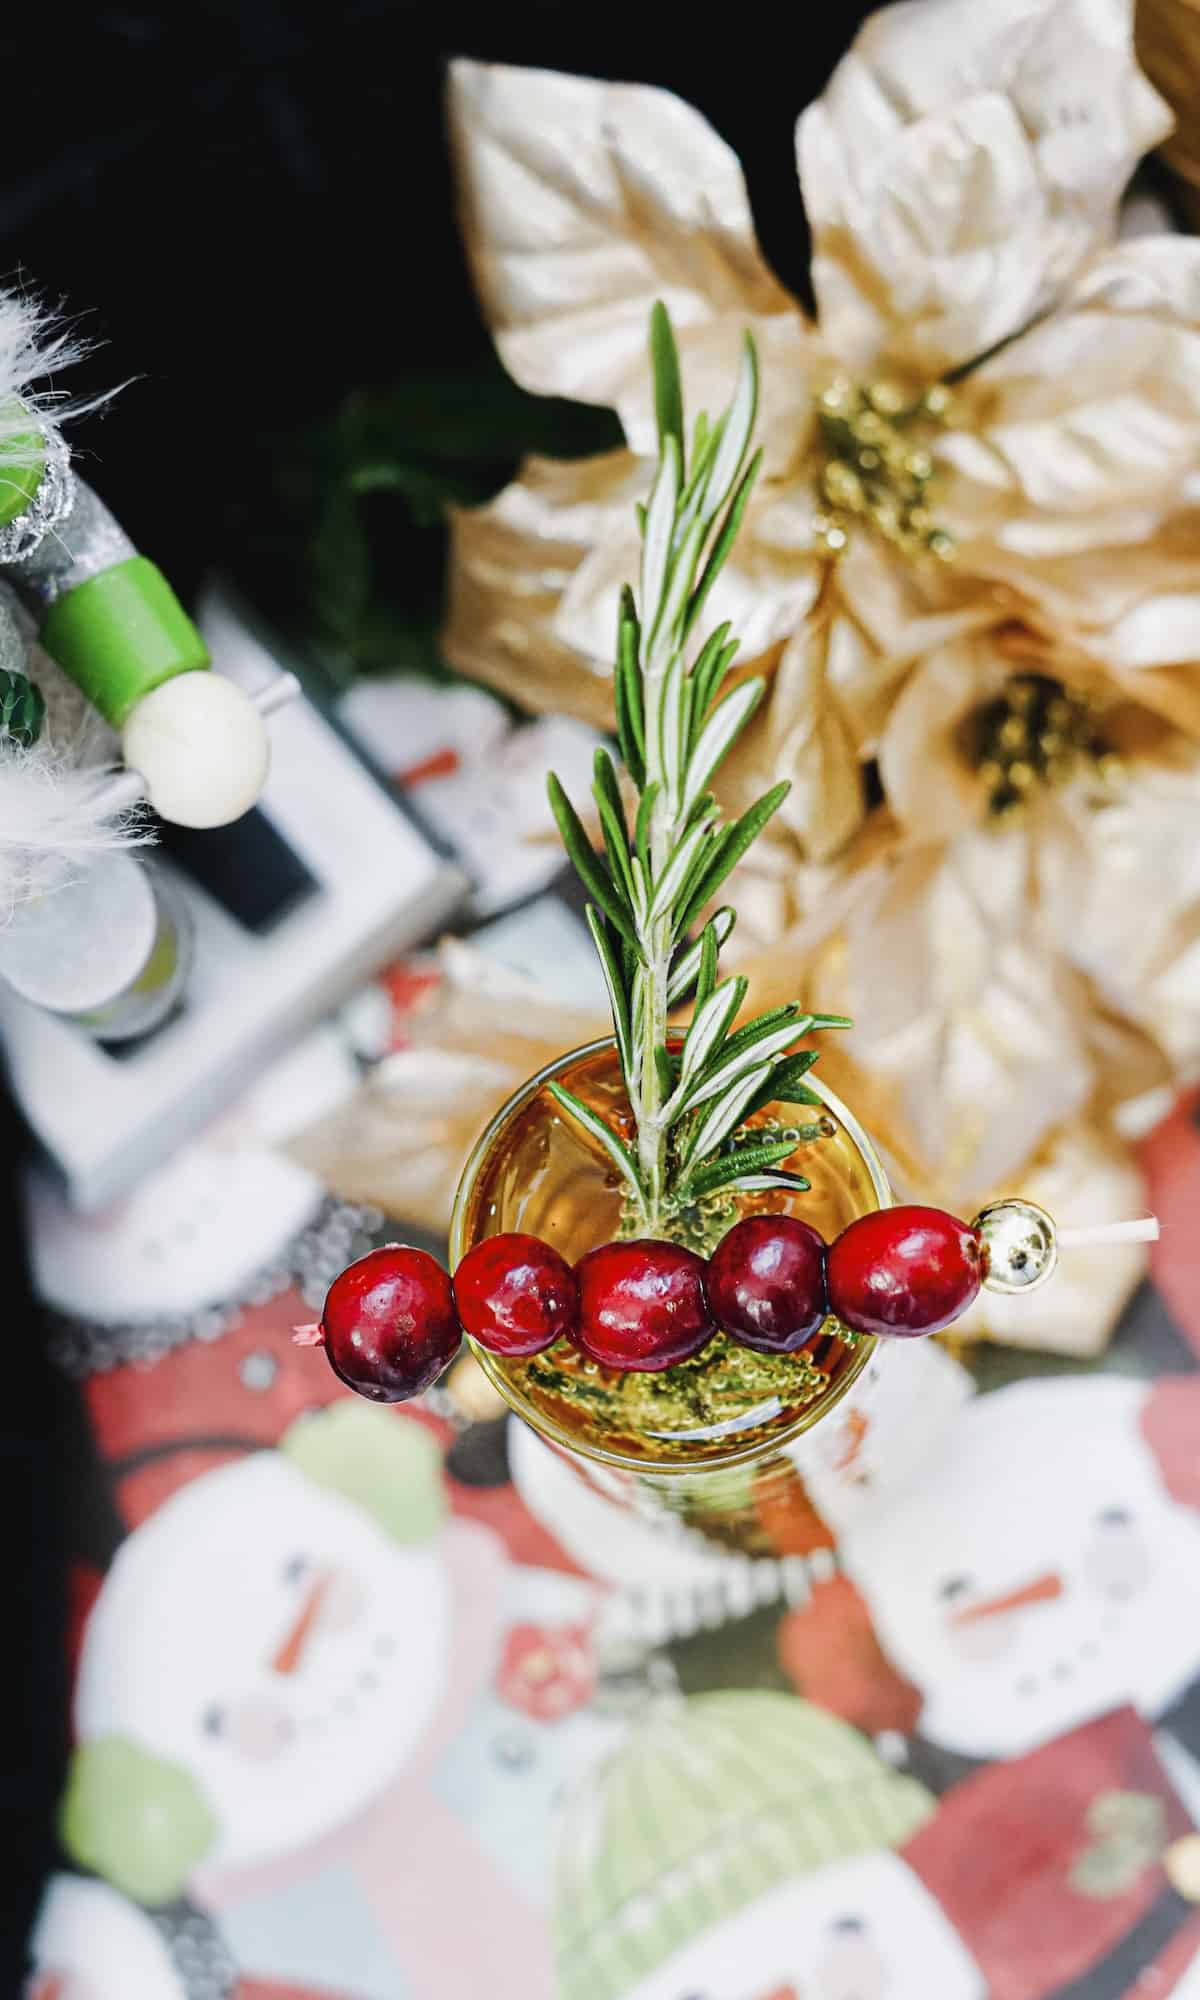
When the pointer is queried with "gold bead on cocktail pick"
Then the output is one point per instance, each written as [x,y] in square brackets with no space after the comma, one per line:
[1022,1241]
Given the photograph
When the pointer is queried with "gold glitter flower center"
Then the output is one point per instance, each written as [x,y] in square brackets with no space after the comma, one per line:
[1037,733]
[877,466]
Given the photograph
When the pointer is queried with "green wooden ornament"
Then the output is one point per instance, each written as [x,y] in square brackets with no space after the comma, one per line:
[22,709]
[122,633]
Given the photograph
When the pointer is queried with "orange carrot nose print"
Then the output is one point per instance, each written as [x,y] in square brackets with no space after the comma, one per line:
[289,1655]
[1040,1591]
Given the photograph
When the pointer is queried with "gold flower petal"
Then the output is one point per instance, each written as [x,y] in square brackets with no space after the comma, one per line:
[401,1141]
[1044,97]
[1083,432]
[583,202]
[971,1042]
[512,561]
[903,611]
[928,780]
[1119,892]
[927,246]
[800,734]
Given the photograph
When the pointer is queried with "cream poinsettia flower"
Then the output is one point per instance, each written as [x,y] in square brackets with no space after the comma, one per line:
[1011,980]
[983,1061]
[962,175]
[402,1139]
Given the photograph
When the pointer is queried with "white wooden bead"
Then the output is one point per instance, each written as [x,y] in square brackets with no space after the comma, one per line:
[201,748]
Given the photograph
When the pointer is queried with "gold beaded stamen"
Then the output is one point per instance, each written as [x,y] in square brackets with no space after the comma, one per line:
[1038,733]
[877,466]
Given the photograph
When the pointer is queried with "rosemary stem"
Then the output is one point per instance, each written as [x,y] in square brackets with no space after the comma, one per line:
[652,1128]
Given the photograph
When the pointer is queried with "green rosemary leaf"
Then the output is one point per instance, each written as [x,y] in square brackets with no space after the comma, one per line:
[606,782]
[686,969]
[613,1145]
[735,436]
[614,980]
[637,1012]
[666,1079]
[746,1159]
[785,1084]
[772,1177]
[587,863]
[723,1117]
[709,653]
[773,1018]
[682,576]
[668,389]
[748,1056]
[702,865]
[797,1066]
[709,948]
[629,640]
[645,814]
[626,740]
[671,746]
[829,1021]
[726,537]
[607,795]
[718,737]
[709,1023]
[704,452]
[687,698]
[717,670]
[715,673]
[629,962]
[675,874]
[659,531]
[733,844]
[641,894]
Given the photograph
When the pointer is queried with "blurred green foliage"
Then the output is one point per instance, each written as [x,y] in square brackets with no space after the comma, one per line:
[343,547]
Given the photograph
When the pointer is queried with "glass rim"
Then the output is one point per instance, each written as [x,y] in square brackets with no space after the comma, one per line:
[559,1435]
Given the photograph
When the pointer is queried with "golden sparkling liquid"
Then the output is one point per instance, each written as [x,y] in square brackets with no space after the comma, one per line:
[539,1173]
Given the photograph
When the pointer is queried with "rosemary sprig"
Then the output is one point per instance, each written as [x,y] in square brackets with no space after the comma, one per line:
[648,884]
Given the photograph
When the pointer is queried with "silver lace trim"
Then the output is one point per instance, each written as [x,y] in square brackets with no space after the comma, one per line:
[88,539]
[21,538]
[337,1235]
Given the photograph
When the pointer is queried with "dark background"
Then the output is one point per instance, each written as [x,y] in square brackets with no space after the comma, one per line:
[247,210]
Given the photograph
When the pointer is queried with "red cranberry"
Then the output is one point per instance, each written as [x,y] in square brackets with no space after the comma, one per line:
[766,1283]
[641,1305]
[904,1270]
[515,1295]
[389,1323]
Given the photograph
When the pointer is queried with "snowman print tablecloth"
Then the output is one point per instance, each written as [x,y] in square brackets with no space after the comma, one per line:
[378,1704]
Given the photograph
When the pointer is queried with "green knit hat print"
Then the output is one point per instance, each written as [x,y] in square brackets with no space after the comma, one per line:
[704,1808]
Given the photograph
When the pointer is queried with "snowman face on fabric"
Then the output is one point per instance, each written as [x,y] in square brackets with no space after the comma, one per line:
[864,1929]
[266,1635]
[1040,1574]
[891,1424]
[534,1734]
[90,1944]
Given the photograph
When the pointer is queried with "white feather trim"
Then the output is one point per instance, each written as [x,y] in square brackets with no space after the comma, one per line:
[53,815]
